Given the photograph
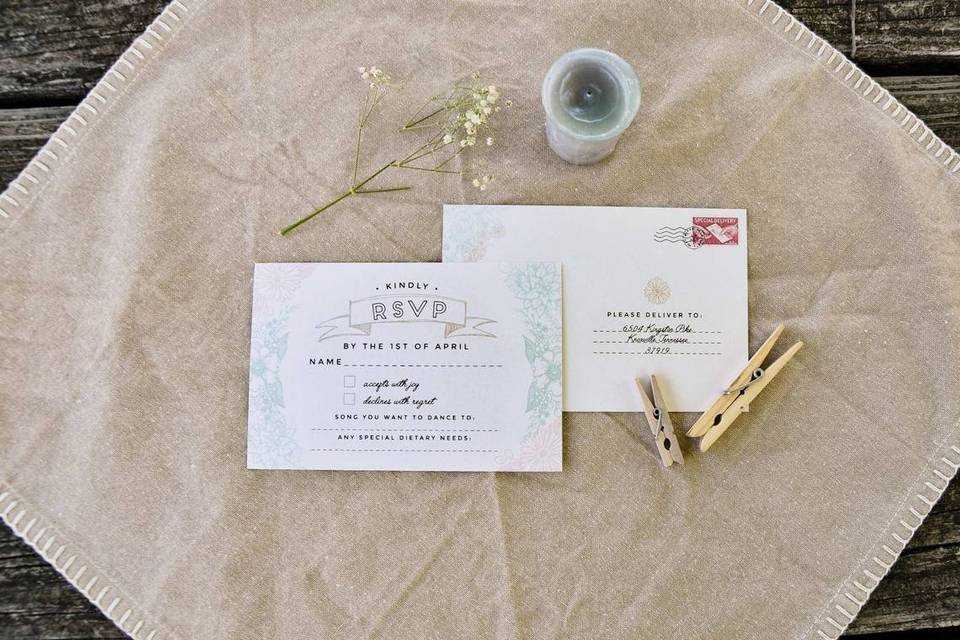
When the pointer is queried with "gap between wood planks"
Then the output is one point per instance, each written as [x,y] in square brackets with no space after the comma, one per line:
[853,29]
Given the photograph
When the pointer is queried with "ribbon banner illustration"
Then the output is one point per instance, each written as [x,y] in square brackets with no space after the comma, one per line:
[365,313]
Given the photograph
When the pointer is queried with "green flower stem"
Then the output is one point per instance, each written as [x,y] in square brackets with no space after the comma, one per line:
[430,169]
[410,125]
[452,156]
[387,190]
[356,155]
[354,190]
[426,149]
[423,154]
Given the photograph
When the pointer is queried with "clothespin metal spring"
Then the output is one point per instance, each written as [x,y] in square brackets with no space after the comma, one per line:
[756,375]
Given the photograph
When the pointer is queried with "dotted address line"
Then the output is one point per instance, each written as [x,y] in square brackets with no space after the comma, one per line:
[645,344]
[623,331]
[669,353]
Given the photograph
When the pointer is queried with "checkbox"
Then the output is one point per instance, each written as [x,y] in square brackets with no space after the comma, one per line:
[349,398]
[349,382]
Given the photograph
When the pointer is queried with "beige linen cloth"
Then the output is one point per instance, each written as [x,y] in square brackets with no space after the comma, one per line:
[127,249]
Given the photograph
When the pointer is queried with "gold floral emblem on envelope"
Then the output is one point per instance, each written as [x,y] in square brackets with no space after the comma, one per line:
[657,290]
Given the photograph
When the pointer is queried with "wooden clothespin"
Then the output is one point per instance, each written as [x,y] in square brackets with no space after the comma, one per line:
[658,417]
[737,398]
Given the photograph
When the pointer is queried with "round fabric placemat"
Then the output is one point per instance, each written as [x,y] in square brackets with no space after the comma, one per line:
[127,248]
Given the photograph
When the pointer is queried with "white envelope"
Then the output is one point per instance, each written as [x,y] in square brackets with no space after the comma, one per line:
[645,291]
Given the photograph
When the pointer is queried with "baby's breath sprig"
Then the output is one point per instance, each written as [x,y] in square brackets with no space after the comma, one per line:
[459,120]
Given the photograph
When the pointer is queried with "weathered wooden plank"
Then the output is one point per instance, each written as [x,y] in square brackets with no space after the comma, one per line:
[22,133]
[55,50]
[936,99]
[911,33]
[35,602]
[830,19]
[922,591]
[888,36]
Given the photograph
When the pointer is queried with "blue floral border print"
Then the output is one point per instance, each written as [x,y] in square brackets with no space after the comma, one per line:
[270,441]
[466,236]
[536,287]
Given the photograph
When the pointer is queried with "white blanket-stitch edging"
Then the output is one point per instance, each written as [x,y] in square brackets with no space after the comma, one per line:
[130,618]
[61,146]
[37,531]
[787,27]
[854,590]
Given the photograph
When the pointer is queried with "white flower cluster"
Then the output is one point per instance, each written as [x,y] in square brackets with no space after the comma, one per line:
[475,115]
[375,75]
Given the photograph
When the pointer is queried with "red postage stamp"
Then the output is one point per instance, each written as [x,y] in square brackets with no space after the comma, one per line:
[716,231]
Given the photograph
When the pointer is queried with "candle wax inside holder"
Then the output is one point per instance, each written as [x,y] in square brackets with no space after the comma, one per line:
[589,94]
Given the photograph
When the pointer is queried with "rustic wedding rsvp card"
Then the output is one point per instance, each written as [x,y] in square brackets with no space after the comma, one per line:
[645,291]
[448,367]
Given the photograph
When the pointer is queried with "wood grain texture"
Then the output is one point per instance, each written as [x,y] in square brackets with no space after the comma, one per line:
[35,602]
[22,133]
[53,51]
[888,36]
[911,34]
[56,50]
[936,99]
[923,589]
